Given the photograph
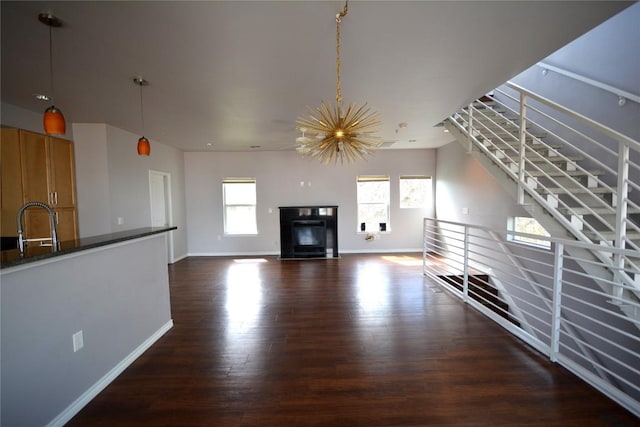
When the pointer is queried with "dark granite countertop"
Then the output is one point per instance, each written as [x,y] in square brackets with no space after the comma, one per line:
[12,258]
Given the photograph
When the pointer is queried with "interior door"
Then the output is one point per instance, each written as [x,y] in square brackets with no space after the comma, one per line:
[158,200]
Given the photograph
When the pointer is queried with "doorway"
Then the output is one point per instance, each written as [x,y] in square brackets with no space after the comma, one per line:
[160,199]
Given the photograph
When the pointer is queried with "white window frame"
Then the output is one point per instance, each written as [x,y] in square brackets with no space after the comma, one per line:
[373,178]
[514,225]
[231,181]
[428,192]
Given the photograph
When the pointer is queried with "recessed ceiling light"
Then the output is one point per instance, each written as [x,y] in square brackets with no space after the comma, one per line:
[42,97]
[209,144]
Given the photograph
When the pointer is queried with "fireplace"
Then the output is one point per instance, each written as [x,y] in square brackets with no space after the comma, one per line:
[308,231]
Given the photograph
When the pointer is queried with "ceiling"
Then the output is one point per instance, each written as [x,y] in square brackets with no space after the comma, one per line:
[235,75]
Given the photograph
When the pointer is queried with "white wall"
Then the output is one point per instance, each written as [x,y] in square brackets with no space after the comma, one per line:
[92,179]
[278,176]
[118,295]
[129,197]
[463,183]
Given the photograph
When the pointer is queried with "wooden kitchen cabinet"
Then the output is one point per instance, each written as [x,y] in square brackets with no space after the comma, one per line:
[10,181]
[36,222]
[48,173]
[43,170]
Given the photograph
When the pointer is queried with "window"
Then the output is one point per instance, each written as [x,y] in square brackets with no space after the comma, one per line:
[415,191]
[527,225]
[239,206]
[373,203]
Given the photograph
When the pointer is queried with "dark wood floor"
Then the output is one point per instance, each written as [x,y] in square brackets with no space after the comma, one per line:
[364,340]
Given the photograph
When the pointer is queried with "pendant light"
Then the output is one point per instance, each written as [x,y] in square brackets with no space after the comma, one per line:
[53,119]
[337,134]
[144,148]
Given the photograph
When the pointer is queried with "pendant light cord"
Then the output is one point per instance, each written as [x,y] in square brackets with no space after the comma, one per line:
[141,107]
[51,63]
[339,17]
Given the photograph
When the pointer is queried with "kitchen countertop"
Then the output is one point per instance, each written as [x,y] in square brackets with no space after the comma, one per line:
[12,257]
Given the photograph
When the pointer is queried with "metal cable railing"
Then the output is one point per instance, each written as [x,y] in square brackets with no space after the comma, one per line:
[545,297]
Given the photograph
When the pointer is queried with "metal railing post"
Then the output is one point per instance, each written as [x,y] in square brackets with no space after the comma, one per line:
[621,215]
[470,129]
[556,310]
[424,246]
[465,281]
[521,151]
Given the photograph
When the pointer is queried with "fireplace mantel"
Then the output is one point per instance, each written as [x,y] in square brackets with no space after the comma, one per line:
[308,231]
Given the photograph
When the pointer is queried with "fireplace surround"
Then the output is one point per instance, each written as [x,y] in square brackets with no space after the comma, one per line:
[308,231]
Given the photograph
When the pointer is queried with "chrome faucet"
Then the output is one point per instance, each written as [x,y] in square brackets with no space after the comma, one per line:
[22,242]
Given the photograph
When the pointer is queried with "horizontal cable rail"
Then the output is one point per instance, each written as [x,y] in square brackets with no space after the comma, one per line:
[546,298]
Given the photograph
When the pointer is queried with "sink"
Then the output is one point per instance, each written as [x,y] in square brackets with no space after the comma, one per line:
[8,242]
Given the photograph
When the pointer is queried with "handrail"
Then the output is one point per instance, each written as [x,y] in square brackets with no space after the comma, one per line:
[618,92]
[582,118]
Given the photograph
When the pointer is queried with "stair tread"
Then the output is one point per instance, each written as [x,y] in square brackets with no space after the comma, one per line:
[556,159]
[610,235]
[599,211]
[537,173]
[576,190]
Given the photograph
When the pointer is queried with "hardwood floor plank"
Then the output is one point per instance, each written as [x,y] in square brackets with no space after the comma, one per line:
[364,340]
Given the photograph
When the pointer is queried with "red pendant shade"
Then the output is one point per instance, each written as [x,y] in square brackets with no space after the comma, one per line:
[54,121]
[144,148]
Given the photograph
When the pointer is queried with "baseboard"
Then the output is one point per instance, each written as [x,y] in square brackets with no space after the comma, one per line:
[348,251]
[243,254]
[381,251]
[103,382]
[180,258]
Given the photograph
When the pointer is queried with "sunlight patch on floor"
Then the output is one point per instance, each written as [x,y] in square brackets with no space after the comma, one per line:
[403,259]
[249,260]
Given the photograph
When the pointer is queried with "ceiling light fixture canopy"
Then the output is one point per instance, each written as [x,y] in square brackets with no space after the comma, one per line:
[53,119]
[144,147]
[336,134]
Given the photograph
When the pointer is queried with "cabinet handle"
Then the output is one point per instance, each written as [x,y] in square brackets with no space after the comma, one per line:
[56,214]
[56,197]
[51,198]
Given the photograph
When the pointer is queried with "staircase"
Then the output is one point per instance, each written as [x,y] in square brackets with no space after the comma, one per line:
[576,181]
[482,290]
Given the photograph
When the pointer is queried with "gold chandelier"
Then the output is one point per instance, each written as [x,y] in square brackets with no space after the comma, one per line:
[336,134]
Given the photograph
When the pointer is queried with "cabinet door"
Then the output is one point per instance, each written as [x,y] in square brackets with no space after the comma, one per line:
[37,224]
[35,172]
[10,181]
[67,224]
[62,172]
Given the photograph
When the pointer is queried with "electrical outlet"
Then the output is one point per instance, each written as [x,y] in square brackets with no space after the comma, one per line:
[120,220]
[78,341]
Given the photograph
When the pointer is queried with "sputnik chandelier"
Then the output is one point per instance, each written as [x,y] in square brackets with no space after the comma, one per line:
[331,134]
